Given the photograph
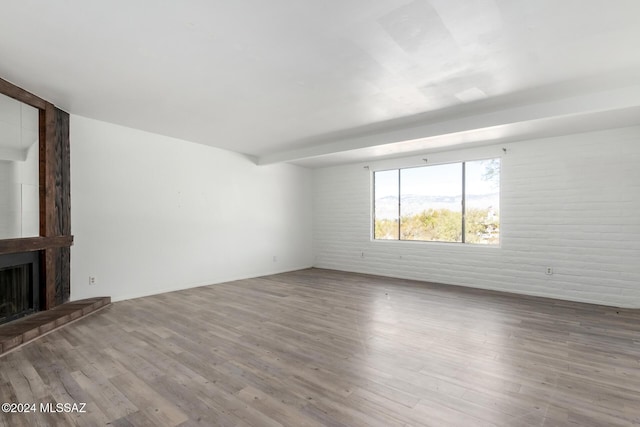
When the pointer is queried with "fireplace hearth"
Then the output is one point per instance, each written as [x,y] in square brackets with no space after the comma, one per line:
[19,285]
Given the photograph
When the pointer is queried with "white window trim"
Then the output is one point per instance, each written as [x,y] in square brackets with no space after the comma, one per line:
[494,152]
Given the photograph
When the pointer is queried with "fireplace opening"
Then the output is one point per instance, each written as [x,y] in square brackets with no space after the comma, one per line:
[19,285]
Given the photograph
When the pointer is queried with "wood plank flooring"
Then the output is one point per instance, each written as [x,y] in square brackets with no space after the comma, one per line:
[326,348]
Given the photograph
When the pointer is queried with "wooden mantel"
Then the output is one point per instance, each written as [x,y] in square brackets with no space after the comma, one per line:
[55,238]
[32,244]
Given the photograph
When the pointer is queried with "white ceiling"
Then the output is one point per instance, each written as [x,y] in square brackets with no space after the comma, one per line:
[321,82]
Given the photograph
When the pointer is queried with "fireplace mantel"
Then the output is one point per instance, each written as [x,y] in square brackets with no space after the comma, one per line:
[30,244]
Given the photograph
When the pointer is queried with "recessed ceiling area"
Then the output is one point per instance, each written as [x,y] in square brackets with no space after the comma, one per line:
[318,83]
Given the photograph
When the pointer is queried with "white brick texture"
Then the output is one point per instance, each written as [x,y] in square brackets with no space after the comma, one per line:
[571,203]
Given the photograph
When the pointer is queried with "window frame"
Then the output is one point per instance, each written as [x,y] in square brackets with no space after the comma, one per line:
[463,203]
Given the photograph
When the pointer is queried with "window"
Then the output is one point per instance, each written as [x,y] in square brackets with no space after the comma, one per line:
[455,202]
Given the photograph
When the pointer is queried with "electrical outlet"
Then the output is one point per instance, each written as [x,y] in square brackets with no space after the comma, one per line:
[549,271]
[275,258]
[93,281]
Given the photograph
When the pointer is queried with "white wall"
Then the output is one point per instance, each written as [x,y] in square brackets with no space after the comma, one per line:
[572,203]
[10,205]
[152,214]
[20,196]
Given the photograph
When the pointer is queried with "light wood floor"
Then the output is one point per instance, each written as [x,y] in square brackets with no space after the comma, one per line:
[318,347]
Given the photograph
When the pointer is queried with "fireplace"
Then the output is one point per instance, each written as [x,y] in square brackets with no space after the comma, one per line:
[19,285]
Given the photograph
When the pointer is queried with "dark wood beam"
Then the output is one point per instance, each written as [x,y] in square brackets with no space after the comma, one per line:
[21,95]
[55,203]
[30,244]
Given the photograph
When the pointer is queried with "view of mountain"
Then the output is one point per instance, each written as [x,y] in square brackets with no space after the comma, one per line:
[412,204]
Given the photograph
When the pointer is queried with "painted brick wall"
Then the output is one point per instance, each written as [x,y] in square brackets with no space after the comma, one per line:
[571,203]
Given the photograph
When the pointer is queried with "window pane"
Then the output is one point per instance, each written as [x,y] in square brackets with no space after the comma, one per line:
[482,202]
[386,205]
[431,203]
